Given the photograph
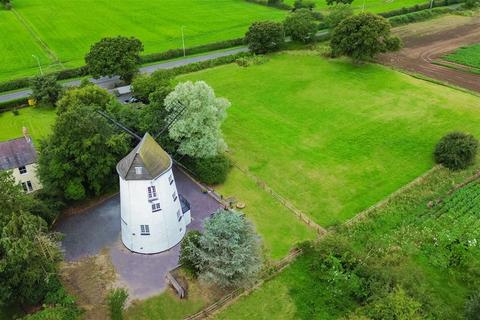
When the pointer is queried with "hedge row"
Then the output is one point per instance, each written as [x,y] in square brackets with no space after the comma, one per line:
[419,7]
[154,57]
[176,53]
[9,105]
[61,75]
[419,16]
[197,66]
[275,4]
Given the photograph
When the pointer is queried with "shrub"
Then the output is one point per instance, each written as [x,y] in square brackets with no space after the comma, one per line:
[471,4]
[395,305]
[212,170]
[189,252]
[472,308]
[301,26]
[418,16]
[116,303]
[299,4]
[456,150]
[46,90]
[337,14]
[15,111]
[332,2]
[265,36]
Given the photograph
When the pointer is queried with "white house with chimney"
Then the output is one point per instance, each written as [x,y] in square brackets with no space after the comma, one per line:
[154,217]
[19,157]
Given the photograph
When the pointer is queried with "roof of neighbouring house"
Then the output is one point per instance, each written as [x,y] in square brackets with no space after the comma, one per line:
[149,157]
[16,153]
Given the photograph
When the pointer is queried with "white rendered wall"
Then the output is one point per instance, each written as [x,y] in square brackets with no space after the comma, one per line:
[136,209]
[30,175]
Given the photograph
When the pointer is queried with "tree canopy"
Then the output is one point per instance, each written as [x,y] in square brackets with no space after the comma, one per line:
[228,250]
[79,157]
[361,37]
[265,36]
[456,150]
[114,56]
[197,130]
[88,95]
[301,26]
[45,90]
[28,254]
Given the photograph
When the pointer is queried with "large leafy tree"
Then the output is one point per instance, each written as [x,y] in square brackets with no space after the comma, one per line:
[87,95]
[363,36]
[79,158]
[28,254]
[265,36]
[198,115]
[301,25]
[46,90]
[114,56]
[228,250]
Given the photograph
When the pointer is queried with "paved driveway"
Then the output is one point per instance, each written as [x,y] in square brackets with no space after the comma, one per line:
[99,228]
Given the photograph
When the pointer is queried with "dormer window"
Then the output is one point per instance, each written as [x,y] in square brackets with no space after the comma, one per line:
[152,193]
[170,179]
[174,196]
[138,170]
[179,215]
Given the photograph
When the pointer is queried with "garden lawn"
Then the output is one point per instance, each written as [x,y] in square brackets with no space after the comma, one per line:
[332,137]
[277,226]
[402,233]
[376,6]
[69,28]
[16,48]
[469,56]
[38,121]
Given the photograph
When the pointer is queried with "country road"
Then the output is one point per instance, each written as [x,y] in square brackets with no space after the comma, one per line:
[109,83]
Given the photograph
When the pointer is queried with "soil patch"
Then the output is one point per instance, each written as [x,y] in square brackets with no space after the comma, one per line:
[89,280]
[420,51]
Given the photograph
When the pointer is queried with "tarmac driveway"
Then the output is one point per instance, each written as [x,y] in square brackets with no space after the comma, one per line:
[99,228]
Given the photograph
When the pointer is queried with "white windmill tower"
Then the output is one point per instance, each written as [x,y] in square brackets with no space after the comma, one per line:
[154,216]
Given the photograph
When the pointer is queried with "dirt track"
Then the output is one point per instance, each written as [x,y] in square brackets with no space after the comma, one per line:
[420,51]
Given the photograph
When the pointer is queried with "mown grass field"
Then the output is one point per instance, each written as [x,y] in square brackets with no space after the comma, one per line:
[38,121]
[376,6]
[331,137]
[69,28]
[468,56]
[412,245]
[17,48]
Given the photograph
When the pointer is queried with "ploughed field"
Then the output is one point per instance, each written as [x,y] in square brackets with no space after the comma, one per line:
[64,30]
[331,137]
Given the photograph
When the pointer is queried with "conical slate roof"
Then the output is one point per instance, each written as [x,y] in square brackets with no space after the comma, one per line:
[145,162]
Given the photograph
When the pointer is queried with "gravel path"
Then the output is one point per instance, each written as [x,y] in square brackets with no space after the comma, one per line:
[97,229]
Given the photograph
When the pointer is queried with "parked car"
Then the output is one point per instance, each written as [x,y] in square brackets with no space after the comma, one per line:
[132,100]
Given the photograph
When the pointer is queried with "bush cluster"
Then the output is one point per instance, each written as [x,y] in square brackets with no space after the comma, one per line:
[116,303]
[211,171]
[418,16]
[13,104]
[456,150]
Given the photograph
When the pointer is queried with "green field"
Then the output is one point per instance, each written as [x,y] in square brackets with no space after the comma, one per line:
[69,28]
[404,244]
[376,6]
[38,121]
[331,137]
[468,56]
